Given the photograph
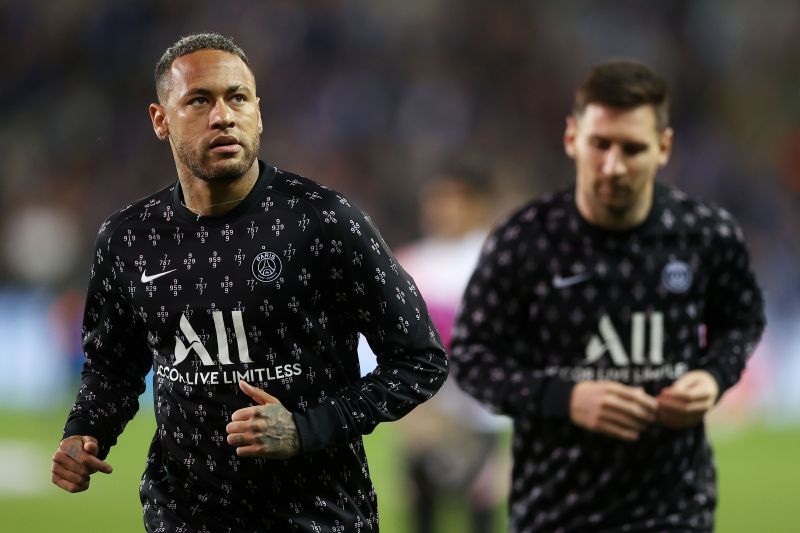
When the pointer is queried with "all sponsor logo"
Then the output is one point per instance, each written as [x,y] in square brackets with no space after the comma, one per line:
[636,360]
[211,376]
[641,351]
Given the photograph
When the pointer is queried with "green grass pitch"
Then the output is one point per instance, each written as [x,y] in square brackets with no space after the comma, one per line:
[758,480]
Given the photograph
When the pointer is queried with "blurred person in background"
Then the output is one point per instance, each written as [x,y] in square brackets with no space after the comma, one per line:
[452,443]
[607,319]
[244,287]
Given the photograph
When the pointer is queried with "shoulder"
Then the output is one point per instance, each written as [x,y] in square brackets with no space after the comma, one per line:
[681,209]
[333,208]
[308,191]
[126,220]
[540,213]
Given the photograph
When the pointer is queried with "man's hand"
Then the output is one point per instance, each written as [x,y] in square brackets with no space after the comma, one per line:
[264,430]
[611,408]
[76,460]
[686,402]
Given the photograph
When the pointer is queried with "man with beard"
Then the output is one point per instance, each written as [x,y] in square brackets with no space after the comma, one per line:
[607,319]
[245,288]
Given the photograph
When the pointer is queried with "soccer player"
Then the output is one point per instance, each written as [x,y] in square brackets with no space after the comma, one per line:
[607,319]
[452,443]
[245,288]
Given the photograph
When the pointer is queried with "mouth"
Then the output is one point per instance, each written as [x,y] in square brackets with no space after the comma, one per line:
[613,193]
[225,144]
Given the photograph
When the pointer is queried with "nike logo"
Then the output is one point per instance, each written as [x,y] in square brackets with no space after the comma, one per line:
[564,282]
[148,279]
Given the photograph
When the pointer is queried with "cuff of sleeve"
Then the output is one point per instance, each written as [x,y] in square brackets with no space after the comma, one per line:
[556,398]
[320,427]
[721,384]
[79,426]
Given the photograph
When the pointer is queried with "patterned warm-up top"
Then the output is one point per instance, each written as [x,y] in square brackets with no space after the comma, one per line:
[555,300]
[274,292]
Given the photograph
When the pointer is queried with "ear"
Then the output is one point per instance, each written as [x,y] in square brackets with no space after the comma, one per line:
[665,146]
[158,115]
[570,133]
[260,124]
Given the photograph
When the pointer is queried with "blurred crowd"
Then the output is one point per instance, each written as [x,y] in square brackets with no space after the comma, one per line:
[369,97]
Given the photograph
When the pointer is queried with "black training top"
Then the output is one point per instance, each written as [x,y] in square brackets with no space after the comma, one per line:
[274,292]
[555,300]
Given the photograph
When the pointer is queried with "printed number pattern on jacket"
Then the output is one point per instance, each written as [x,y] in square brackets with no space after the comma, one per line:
[275,293]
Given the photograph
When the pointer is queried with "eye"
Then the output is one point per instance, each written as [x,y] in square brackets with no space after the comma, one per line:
[599,143]
[239,98]
[634,148]
[198,101]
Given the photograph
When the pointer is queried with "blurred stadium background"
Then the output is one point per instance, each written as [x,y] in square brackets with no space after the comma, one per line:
[368,96]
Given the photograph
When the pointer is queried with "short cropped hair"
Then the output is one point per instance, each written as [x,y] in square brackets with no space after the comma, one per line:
[624,84]
[187,45]
[471,173]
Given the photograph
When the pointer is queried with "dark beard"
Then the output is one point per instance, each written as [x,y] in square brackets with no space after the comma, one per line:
[198,163]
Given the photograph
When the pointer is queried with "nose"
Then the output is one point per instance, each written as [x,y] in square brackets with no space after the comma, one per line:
[221,116]
[614,162]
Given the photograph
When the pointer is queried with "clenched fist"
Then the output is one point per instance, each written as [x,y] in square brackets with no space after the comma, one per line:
[76,460]
[264,430]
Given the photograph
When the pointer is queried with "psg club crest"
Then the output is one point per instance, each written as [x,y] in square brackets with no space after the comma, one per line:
[676,276]
[267,267]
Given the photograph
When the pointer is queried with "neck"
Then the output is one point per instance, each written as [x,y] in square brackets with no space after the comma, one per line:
[210,198]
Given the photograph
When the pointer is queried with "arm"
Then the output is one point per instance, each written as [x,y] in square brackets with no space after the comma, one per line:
[734,323]
[375,296]
[491,321]
[117,358]
[734,314]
